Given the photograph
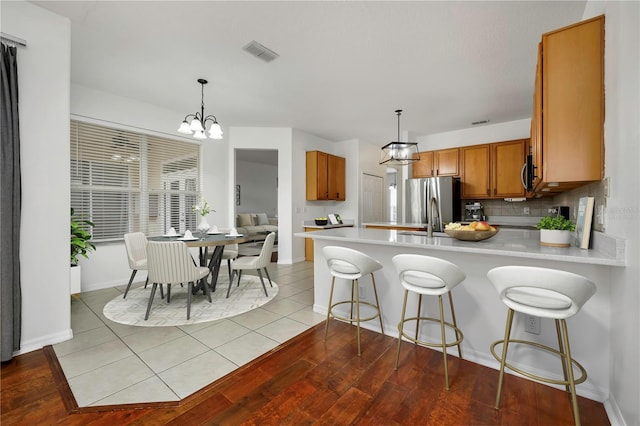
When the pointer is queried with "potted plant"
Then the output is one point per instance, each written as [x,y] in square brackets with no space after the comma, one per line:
[81,245]
[555,231]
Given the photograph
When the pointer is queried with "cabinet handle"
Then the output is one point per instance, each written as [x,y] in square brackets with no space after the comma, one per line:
[437,172]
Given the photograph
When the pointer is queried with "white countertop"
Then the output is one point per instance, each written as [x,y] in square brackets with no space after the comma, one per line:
[606,250]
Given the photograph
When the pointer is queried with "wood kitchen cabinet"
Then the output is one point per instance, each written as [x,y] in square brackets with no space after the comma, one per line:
[325,176]
[567,133]
[444,162]
[493,170]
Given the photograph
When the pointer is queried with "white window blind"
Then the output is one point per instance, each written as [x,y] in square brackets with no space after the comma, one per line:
[125,181]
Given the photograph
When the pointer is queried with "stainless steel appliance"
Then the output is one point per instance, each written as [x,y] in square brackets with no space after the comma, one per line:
[473,211]
[440,194]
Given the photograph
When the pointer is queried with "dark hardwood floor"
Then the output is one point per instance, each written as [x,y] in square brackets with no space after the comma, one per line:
[305,382]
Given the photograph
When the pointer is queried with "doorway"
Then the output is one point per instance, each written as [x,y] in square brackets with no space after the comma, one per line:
[372,198]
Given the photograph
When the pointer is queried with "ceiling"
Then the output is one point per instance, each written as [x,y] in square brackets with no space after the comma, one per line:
[344,66]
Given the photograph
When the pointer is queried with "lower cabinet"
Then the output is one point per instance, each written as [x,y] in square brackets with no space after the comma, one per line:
[308,245]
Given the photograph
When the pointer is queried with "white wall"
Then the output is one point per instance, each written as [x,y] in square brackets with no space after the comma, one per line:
[622,156]
[488,133]
[43,78]
[258,187]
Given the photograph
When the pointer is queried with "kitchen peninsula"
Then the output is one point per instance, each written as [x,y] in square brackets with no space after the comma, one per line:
[480,313]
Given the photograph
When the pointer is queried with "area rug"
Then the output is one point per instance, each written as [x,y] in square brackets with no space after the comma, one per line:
[131,311]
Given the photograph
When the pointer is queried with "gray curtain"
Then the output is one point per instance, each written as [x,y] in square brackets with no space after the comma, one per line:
[10,201]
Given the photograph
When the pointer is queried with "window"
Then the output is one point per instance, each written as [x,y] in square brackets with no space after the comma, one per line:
[125,181]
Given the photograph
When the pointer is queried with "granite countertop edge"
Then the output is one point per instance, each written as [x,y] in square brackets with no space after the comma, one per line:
[607,250]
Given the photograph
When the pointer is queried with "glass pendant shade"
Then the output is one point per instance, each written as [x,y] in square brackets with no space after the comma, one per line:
[215,132]
[185,128]
[196,125]
[199,135]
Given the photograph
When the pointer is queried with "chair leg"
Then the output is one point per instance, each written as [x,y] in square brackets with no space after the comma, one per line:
[572,383]
[262,280]
[418,315]
[268,277]
[375,293]
[153,293]
[455,324]
[133,274]
[161,292]
[189,288]
[229,268]
[401,327]
[239,276]
[146,281]
[168,293]
[444,342]
[503,360]
[565,366]
[352,299]
[326,326]
[358,313]
[231,282]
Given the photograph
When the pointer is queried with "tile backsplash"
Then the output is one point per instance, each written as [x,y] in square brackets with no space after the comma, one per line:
[540,206]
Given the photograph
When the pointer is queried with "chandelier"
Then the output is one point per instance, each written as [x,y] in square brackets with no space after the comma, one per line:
[198,123]
[399,153]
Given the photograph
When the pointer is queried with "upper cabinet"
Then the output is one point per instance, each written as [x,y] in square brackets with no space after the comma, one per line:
[444,162]
[567,133]
[493,170]
[325,176]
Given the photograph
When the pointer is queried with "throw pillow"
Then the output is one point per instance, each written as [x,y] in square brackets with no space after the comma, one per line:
[245,220]
[261,219]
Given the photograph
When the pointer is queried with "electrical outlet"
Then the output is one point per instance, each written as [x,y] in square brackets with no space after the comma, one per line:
[532,324]
[526,210]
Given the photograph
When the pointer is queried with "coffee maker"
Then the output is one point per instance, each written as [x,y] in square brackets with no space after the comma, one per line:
[473,211]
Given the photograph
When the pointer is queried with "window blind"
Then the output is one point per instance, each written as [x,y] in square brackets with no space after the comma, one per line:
[125,181]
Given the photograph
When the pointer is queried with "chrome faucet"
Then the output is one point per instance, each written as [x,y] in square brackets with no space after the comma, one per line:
[430,222]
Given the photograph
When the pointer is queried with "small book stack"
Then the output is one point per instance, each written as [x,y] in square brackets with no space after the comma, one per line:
[583,222]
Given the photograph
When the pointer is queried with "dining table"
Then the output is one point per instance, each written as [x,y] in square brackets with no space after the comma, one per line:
[204,242]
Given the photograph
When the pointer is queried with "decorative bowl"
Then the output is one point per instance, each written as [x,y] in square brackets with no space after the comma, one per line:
[470,235]
[321,222]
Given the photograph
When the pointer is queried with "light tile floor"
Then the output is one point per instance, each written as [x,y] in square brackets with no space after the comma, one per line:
[109,363]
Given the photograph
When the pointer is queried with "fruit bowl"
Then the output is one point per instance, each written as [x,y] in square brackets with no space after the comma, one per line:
[470,235]
[321,222]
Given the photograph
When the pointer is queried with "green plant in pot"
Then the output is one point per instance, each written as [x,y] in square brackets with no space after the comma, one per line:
[81,244]
[555,231]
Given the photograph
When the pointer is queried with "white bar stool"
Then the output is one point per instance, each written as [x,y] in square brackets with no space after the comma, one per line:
[545,293]
[351,265]
[429,276]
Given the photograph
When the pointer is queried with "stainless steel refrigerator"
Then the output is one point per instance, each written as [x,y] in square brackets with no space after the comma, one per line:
[441,194]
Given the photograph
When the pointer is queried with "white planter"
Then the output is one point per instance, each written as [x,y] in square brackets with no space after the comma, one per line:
[74,280]
[555,238]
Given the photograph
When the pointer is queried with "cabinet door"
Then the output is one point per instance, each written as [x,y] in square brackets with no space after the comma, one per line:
[474,161]
[336,176]
[445,162]
[423,167]
[573,103]
[507,159]
[536,123]
[317,175]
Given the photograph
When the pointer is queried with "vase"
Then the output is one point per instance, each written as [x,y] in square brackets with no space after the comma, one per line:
[555,238]
[203,226]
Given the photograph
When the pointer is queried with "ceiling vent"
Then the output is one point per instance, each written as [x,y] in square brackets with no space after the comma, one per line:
[261,52]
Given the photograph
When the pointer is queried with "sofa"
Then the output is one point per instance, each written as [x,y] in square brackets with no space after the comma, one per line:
[256,224]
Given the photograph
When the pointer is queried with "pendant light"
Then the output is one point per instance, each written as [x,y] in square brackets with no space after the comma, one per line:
[197,125]
[399,153]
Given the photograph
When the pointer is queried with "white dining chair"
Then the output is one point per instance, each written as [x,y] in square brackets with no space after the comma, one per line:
[136,246]
[259,263]
[171,263]
[230,253]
